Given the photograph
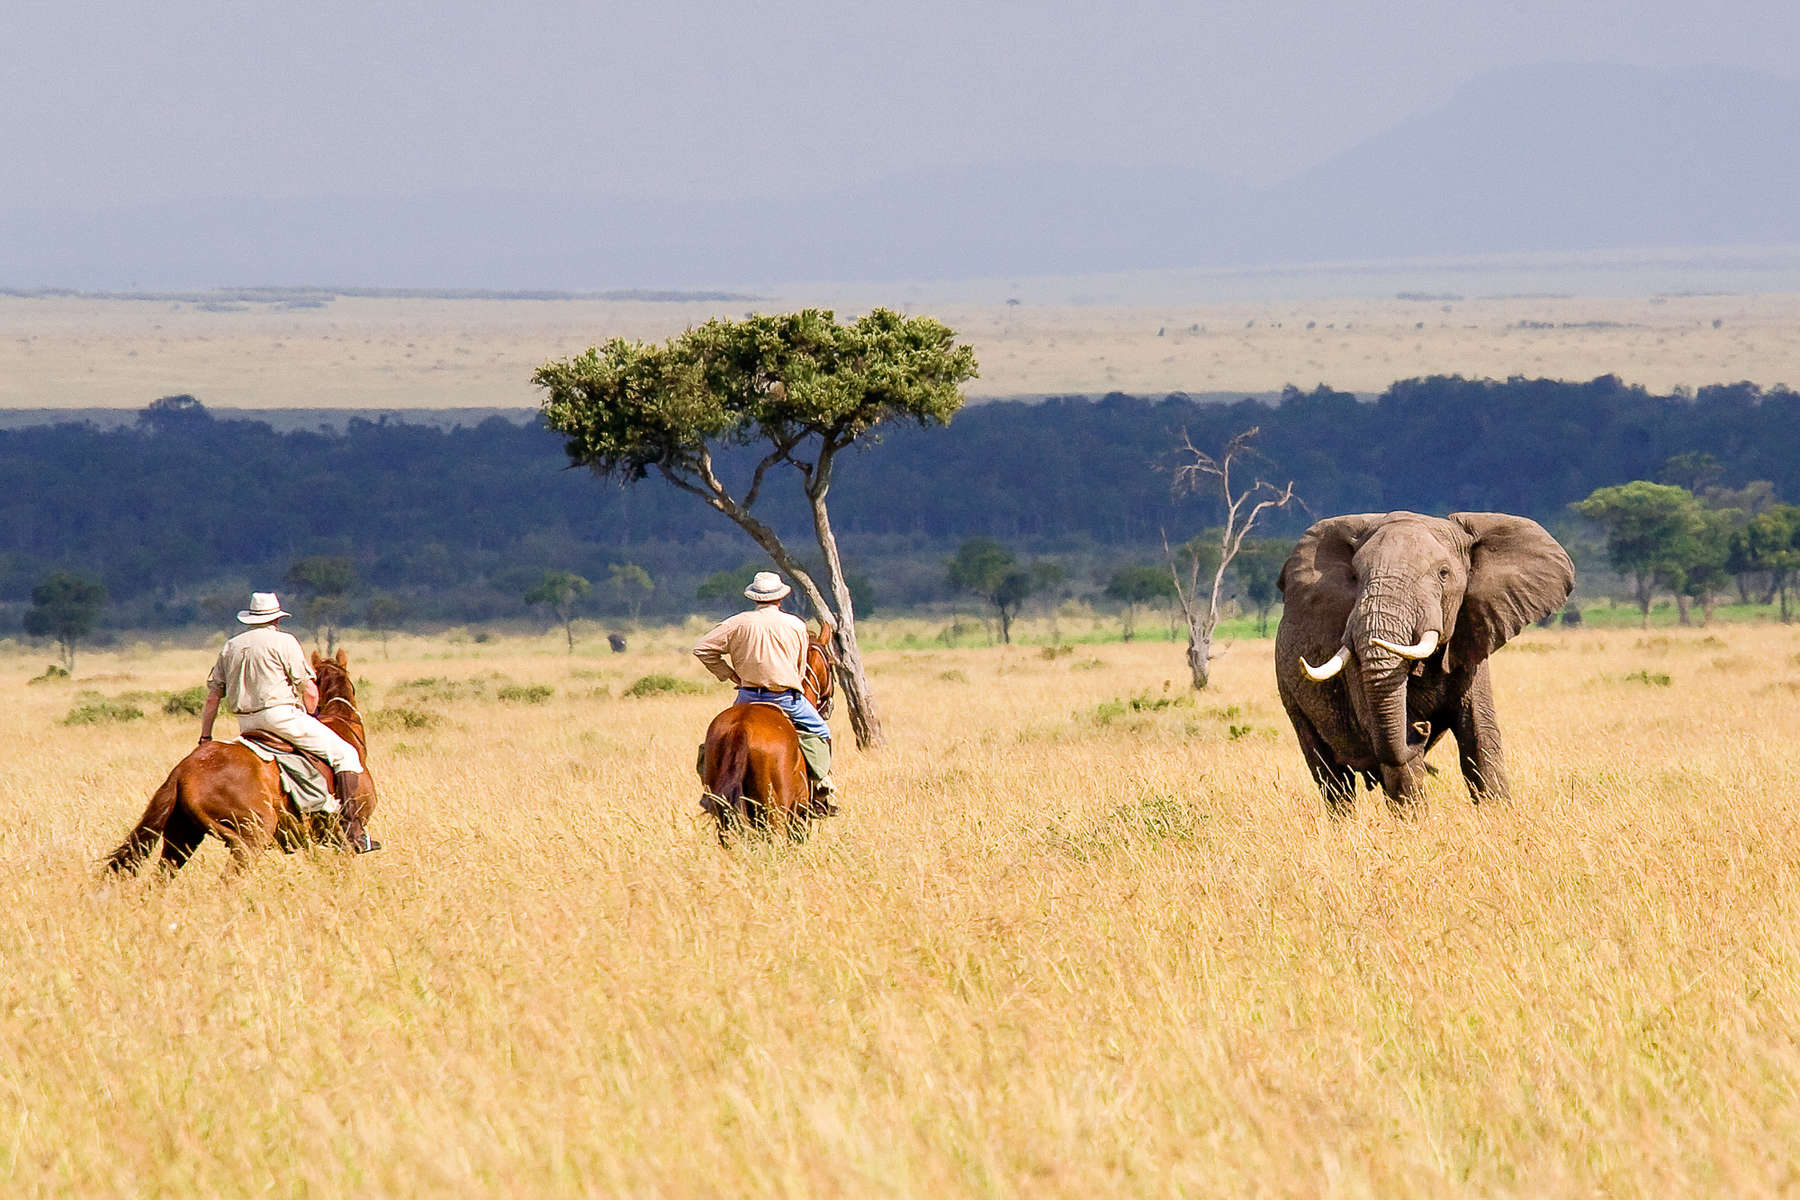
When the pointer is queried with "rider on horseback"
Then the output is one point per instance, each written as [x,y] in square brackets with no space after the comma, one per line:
[265,678]
[767,648]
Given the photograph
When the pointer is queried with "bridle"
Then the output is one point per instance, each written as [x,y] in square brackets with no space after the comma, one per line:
[341,700]
[818,683]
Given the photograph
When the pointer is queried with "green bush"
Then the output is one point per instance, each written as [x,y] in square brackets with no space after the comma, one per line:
[526,693]
[1654,679]
[660,685]
[52,674]
[185,703]
[102,712]
[403,718]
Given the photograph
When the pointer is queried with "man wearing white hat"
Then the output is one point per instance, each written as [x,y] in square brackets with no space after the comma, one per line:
[767,648]
[264,677]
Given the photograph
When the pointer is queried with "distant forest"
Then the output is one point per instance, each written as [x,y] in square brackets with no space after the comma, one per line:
[182,513]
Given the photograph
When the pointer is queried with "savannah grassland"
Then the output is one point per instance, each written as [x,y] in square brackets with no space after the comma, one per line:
[1078,933]
[67,352]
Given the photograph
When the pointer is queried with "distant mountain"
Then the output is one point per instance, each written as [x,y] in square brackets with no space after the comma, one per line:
[1557,158]
[1539,158]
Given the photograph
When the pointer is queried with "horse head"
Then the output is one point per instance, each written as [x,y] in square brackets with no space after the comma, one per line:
[334,678]
[820,683]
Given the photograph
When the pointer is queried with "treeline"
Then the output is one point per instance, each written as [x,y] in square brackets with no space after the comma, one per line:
[1699,544]
[180,513]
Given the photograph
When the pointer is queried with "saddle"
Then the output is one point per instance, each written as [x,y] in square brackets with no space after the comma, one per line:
[276,744]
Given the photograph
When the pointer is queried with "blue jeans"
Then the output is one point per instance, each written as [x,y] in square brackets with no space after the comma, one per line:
[799,709]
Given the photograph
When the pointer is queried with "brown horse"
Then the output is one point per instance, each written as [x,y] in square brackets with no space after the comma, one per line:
[224,789]
[751,766]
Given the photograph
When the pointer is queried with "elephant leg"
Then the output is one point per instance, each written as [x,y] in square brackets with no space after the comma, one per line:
[1337,783]
[1478,741]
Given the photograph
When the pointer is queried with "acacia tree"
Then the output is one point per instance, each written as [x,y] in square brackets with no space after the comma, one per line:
[1202,473]
[560,591]
[800,388]
[1652,534]
[985,568]
[632,585]
[65,606]
[321,584]
[1132,586]
[1258,570]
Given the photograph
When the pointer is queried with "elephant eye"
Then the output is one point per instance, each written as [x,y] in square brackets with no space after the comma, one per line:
[1444,574]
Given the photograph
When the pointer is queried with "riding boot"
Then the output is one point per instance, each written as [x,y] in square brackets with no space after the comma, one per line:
[354,833]
[817,753]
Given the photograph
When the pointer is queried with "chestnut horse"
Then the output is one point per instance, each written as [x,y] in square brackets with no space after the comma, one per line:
[224,789]
[751,765]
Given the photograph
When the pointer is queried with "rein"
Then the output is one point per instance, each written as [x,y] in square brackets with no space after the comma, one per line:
[813,680]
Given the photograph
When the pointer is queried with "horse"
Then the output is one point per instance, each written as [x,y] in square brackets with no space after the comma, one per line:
[225,789]
[751,766]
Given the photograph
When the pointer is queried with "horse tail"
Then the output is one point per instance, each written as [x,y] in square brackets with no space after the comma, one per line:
[140,841]
[733,768]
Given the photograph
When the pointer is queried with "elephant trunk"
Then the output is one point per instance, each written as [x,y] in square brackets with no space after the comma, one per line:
[1387,639]
[1389,730]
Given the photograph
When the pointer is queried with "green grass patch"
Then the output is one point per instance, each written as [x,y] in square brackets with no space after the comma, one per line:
[403,718]
[664,685]
[52,674]
[186,703]
[1109,711]
[100,711]
[526,693]
[1653,678]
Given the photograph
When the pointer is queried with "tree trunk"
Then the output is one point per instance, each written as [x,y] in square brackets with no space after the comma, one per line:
[1005,625]
[859,700]
[859,697]
[1682,609]
[1199,655]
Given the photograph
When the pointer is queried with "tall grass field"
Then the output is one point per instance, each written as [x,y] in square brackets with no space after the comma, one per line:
[1080,931]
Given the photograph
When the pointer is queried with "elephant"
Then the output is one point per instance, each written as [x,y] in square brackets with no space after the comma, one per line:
[1400,612]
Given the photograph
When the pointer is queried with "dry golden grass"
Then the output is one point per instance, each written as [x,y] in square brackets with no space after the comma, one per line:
[1055,946]
[367,353]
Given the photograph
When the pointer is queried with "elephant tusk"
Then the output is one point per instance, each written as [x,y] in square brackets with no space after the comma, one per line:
[1426,645]
[1328,668]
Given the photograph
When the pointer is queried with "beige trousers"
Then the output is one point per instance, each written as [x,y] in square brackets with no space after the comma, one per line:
[309,733]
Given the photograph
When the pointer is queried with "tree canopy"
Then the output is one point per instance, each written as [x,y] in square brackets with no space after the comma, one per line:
[796,389]
[65,606]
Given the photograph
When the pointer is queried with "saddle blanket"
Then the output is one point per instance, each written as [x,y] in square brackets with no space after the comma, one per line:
[304,783]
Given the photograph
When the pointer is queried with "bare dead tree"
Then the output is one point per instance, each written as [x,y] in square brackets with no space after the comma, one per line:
[1203,473]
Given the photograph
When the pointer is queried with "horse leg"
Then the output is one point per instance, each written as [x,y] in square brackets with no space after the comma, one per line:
[181,837]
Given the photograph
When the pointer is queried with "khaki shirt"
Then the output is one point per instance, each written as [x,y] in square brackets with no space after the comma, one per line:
[766,646]
[260,668]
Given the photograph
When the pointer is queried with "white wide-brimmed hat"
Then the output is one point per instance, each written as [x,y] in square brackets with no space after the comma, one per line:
[264,607]
[765,587]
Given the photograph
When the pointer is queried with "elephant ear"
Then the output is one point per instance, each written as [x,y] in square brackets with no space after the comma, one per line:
[1318,584]
[1517,574]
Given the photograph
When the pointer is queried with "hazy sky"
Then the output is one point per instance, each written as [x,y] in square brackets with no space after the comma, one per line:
[111,101]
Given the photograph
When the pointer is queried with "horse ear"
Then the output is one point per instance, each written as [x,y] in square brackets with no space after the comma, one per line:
[313,657]
[343,659]
[1318,586]
[1517,574]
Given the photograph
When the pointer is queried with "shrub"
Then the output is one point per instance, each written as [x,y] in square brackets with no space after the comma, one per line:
[659,685]
[1108,711]
[102,712]
[1654,679]
[403,718]
[526,693]
[185,703]
[52,674]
